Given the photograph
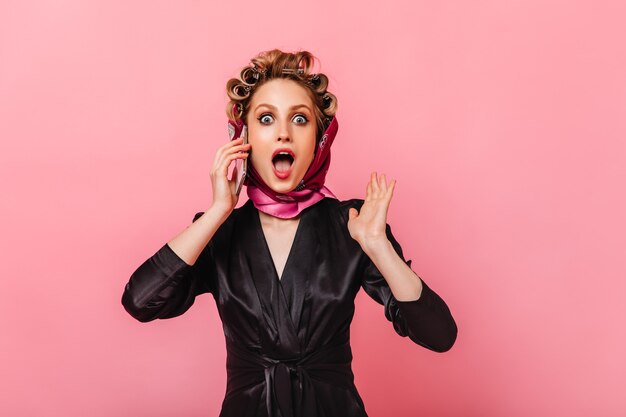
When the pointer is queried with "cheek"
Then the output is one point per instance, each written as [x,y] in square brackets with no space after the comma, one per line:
[310,150]
[259,160]
[259,147]
[306,159]
[253,159]
[308,140]
[311,155]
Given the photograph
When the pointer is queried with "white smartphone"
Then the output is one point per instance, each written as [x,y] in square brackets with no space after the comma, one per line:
[242,164]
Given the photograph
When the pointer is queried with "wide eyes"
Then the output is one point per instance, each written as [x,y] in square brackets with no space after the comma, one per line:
[267,118]
[300,119]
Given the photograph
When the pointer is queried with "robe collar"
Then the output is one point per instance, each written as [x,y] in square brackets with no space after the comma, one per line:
[283,318]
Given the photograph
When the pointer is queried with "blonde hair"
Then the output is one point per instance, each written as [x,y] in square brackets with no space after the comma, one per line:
[274,64]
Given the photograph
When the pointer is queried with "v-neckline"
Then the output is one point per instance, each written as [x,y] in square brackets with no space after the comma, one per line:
[291,249]
[285,296]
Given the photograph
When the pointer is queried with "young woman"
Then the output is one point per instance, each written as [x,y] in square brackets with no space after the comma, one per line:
[285,267]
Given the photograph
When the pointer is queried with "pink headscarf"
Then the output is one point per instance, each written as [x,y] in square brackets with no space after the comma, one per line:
[310,190]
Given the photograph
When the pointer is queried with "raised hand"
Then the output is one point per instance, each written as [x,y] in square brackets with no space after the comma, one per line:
[224,196]
[368,226]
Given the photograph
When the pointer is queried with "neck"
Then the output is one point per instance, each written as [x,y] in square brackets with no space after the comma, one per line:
[268,220]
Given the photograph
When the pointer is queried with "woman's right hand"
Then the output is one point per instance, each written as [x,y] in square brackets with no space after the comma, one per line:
[224,196]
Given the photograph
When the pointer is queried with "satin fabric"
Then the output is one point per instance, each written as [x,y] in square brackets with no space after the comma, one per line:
[287,339]
[310,190]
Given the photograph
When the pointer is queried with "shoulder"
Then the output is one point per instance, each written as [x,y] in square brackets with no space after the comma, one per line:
[356,203]
[226,228]
[344,205]
[236,213]
[340,208]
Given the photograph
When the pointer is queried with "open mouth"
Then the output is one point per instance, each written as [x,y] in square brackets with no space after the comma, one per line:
[283,161]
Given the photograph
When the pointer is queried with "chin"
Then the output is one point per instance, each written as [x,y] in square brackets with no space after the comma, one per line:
[283,187]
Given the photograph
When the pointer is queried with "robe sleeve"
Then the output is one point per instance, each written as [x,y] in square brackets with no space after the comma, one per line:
[165,286]
[427,321]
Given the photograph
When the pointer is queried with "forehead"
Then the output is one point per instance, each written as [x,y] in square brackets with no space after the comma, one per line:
[281,93]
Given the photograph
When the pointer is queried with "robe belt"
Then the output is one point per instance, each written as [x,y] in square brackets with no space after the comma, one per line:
[289,389]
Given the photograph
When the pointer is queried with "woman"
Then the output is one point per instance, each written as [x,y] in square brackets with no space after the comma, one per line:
[285,267]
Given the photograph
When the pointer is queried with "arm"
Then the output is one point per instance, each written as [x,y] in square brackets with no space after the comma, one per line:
[403,282]
[415,310]
[427,320]
[189,243]
[166,284]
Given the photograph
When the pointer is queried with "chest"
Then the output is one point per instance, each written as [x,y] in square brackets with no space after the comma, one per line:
[284,286]
[279,241]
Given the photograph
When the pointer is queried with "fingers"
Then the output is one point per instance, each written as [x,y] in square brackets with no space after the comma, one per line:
[235,145]
[232,183]
[383,184]
[223,168]
[233,174]
[392,186]
[232,146]
[228,153]
[378,186]
[375,186]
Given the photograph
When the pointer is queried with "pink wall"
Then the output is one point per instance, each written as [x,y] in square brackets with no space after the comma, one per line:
[502,121]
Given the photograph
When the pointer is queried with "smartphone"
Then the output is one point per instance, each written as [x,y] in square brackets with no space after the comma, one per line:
[242,164]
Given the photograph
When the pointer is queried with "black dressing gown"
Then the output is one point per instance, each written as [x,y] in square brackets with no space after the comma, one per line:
[287,339]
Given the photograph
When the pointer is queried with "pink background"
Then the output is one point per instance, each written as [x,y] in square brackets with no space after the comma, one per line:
[503,121]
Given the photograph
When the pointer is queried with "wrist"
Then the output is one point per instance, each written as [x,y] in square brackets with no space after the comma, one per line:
[376,246]
[219,212]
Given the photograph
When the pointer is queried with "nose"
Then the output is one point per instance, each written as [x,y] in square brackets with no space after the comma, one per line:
[283,133]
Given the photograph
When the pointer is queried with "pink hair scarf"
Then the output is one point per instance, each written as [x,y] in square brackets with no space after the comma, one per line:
[310,190]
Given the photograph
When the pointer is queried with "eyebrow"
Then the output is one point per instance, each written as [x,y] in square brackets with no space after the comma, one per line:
[297,106]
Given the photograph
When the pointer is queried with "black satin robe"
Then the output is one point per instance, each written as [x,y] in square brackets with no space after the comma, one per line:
[289,338]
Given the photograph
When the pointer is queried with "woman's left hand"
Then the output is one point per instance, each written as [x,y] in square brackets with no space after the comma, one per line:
[368,226]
